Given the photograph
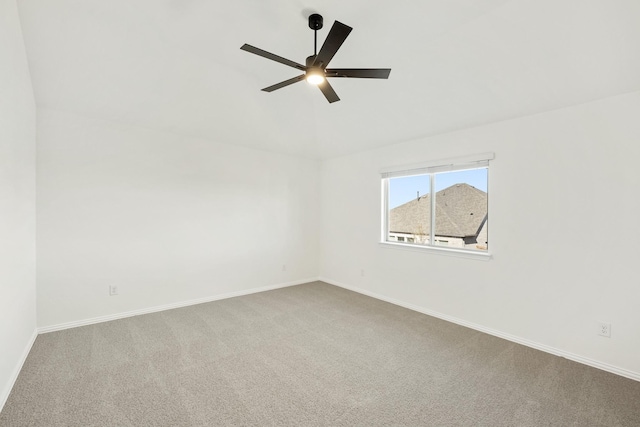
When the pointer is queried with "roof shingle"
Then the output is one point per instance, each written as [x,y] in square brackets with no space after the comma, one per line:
[461,210]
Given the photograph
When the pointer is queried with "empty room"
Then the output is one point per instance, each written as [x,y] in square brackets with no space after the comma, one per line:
[277,212]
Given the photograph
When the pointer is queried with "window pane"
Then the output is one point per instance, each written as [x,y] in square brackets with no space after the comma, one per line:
[409,209]
[462,209]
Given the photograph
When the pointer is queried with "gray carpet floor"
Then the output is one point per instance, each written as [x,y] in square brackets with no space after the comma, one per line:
[308,355]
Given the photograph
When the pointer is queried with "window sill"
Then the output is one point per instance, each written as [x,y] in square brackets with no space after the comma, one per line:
[459,253]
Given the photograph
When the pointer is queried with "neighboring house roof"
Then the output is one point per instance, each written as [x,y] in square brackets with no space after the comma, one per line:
[461,210]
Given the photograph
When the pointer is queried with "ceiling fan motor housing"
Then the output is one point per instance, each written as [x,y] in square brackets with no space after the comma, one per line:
[310,60]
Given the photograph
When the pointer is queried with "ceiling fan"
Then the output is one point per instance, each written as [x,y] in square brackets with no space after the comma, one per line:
[315,70]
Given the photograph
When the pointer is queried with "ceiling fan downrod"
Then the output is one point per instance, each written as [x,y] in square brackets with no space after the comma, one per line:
[315,23]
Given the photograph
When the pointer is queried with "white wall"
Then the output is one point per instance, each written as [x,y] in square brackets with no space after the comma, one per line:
[17,200]
[564,205]
[165,218]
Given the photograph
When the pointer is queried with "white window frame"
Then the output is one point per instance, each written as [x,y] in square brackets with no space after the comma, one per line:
[475,161]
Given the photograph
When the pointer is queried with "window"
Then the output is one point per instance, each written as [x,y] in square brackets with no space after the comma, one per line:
[443,204]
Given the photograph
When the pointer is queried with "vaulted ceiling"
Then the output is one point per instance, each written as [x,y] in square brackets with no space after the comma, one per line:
[176,65]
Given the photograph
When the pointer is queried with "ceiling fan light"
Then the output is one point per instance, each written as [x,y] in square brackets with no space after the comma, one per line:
[315,77]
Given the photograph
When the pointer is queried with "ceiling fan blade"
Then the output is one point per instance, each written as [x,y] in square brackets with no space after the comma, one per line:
[337,36]
[361,73]
[328,92]
[271,56]
[284,83]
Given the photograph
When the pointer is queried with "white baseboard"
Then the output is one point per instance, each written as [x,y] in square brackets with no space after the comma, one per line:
[16,371]
[107,318]
[542,347]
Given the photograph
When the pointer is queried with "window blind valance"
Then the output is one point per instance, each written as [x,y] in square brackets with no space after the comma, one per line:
[442,165]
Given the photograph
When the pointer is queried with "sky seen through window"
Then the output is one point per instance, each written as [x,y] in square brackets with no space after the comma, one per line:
[404,189]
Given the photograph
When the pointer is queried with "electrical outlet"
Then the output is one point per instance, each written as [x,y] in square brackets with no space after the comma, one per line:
[604,329]
[284,267]
[362,273]
[113,290]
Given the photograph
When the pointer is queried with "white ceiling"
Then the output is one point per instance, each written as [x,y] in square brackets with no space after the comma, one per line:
[176,65]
